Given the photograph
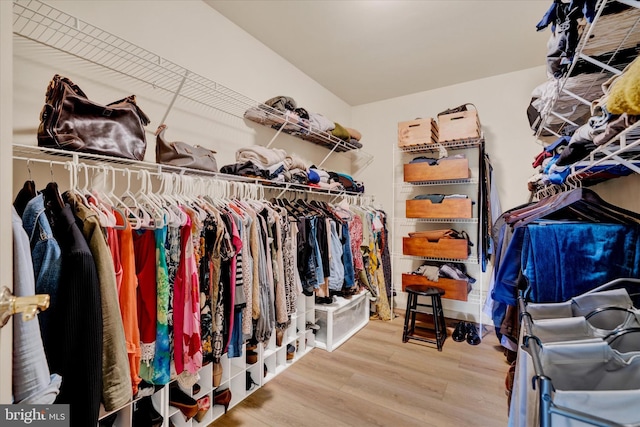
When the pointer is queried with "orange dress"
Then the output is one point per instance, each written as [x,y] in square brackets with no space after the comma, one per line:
[128,302]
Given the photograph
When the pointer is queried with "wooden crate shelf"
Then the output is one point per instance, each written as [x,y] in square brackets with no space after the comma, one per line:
[448,208]
[445,169]
[443,248]
[453,289]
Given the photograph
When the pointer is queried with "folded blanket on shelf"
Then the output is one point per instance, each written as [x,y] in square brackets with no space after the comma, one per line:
[355,143]
[318,122]
[354,134]
[260,156]
[282,103]
[340,132]
[293,161]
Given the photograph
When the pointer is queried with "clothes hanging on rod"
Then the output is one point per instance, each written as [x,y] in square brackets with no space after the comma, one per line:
[195,273]
[557,248]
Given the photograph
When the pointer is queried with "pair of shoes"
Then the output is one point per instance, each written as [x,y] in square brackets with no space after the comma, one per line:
[195,389]
[222,398]
[146,415]
[291,352]
[252,357]
[185,403]
[466,331]
[279,336]
[204,404]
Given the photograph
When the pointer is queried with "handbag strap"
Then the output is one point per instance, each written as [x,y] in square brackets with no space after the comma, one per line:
[458,109]
[131,99]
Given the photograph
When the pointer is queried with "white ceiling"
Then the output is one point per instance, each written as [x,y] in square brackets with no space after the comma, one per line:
[365,51]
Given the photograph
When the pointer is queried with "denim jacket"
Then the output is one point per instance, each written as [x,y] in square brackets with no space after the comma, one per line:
[46,257]
[32,381]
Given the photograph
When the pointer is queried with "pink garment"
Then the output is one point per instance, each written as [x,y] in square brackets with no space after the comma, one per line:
[179,289]
[191,337]
[355,232]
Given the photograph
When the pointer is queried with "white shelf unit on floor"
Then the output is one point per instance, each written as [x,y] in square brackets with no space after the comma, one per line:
[340,320]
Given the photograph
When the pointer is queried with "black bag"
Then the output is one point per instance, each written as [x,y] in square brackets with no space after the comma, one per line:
[459,109]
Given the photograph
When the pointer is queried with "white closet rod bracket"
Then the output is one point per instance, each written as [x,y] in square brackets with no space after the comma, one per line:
[286,120]
[175,96]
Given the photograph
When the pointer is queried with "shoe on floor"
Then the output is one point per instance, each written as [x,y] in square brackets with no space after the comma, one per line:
[460,332]
[472,335]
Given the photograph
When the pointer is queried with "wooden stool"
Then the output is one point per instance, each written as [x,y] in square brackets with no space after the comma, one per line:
[439,326]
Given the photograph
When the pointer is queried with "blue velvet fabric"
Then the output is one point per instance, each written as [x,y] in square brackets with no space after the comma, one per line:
[563,259]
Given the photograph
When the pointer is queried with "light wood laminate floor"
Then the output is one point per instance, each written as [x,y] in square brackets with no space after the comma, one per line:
[376,380]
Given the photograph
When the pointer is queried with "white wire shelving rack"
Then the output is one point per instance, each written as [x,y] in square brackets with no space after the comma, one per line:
[41,23]
[28,154]
[401,224]
[625,147]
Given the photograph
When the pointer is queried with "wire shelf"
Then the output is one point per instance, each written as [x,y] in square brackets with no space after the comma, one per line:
[452,145]
[414,221]
[36,21]
[464,181]
[470,260]
[40,154]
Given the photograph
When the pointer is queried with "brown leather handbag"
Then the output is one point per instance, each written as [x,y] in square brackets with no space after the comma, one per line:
[70,121]
[182,154]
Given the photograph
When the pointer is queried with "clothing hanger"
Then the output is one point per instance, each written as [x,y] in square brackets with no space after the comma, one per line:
[52,200]
[105,221]
[176,216]
[155,210]
[26,193]
[116,204]
[141,213]
[105,207]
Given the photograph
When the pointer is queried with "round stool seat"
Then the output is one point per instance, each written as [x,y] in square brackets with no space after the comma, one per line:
[424,290]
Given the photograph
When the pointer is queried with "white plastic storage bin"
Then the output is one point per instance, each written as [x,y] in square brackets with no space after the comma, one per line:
[340,320]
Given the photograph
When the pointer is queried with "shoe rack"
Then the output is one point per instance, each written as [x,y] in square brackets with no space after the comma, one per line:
[272,360]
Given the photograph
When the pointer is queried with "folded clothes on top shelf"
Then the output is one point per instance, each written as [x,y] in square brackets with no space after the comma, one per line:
[276,165]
